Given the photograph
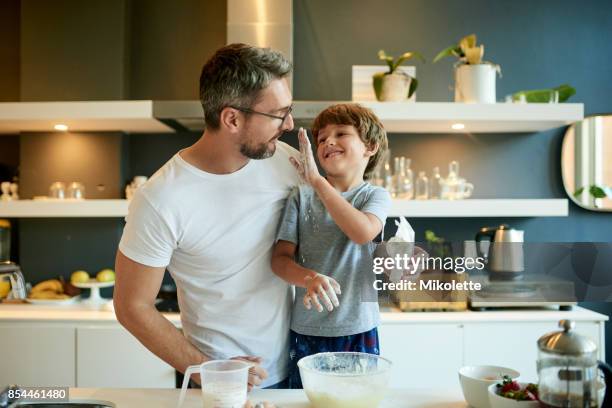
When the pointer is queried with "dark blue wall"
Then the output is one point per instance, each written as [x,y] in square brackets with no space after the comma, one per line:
[538,44]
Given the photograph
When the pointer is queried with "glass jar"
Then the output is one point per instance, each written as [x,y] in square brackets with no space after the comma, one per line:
[422,187]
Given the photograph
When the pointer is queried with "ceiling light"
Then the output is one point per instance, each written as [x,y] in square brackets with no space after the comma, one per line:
[61,127]
[458,126]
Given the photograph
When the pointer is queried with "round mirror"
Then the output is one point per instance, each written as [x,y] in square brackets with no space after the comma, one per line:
[586,163]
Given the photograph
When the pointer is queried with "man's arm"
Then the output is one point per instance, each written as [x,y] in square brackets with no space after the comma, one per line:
[136,287]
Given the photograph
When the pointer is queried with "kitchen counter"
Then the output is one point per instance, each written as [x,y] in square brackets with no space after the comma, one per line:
[153,398]
[389,315]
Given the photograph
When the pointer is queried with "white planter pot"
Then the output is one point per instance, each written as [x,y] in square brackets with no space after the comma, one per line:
[395,88]
[475,83]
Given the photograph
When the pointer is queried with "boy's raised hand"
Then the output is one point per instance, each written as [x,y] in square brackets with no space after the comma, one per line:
[306,165]
[324,287]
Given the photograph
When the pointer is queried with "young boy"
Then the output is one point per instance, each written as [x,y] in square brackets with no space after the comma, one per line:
[324,243]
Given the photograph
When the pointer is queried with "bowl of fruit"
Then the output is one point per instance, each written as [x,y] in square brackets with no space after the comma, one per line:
[513,394]
[475,382]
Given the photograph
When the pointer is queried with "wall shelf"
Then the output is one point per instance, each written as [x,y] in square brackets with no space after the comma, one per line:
[408,208]
[80,116]
[480,208]
[63,208]
[169,116]
[438,117]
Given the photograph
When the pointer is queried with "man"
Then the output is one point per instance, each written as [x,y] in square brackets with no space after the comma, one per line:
[209,216]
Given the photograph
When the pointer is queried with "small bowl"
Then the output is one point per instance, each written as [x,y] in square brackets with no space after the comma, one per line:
[475,381]
[497,401]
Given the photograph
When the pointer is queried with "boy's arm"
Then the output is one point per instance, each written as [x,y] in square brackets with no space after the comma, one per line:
[360,227]
[285,267]
[317,285]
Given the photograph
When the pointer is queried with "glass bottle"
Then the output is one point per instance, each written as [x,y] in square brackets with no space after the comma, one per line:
[397,177]
[387,176]
[435,188]
[406,179]
[422,187]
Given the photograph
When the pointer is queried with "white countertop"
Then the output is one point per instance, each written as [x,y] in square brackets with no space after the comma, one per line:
[78,314]
[158,398]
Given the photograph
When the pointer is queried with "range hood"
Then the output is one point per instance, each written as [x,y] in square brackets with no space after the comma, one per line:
[115,116]
[264,23]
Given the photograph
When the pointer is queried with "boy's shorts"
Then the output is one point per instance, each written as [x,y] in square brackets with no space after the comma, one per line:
[301,346]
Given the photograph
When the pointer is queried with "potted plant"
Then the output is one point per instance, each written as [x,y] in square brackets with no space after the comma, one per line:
[474,78]
[395,85]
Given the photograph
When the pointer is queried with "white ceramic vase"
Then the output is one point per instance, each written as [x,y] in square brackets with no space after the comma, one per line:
[395,88]
[475,83]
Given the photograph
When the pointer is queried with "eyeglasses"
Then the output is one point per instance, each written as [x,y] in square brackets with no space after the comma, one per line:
[269,115]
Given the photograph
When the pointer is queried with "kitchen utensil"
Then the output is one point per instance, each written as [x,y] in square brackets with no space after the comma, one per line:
[57,190]
[475,381]
[224,383]
[568,370]
[505,253]
[455,187]
[76,190]
[497,401]
[12,271]
[344,379]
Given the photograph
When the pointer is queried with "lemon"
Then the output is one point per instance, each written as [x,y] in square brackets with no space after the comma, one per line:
[79,277]
[105,275]
[5,288]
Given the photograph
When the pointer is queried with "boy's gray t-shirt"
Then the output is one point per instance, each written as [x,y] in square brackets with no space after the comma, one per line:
[324,248]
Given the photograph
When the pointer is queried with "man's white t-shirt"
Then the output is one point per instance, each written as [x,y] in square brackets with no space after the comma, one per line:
[215,235]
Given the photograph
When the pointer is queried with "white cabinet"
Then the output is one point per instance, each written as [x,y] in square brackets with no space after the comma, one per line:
[112,357]
[37,355]
[514,345]
[421,353]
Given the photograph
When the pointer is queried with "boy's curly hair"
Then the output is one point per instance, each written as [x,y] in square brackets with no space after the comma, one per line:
[369,127]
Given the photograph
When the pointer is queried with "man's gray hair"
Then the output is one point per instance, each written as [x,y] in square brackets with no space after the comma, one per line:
[235,75]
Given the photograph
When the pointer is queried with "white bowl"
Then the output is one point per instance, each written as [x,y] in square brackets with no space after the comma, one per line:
[475,381]
[497,401]
[344,379]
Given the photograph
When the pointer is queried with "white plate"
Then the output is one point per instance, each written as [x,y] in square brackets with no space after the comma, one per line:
[94,284]
[54,302]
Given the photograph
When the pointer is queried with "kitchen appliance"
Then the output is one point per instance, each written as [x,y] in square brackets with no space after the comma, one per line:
[532,290]
[503,253]
[568,370]
[11,272]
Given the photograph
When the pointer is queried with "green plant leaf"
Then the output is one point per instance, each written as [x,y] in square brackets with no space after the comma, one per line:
[597,192]
[543,95]
[578,192]
[565,92]
[447,52]
[413,86]
[377,83]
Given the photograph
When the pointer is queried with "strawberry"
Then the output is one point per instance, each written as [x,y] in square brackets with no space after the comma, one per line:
[510,386]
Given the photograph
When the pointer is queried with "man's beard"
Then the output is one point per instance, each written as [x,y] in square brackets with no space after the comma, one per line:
[258,152]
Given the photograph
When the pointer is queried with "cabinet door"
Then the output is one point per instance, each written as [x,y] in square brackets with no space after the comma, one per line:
[514,344]
[422,353]
[37,355]
[112,357]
